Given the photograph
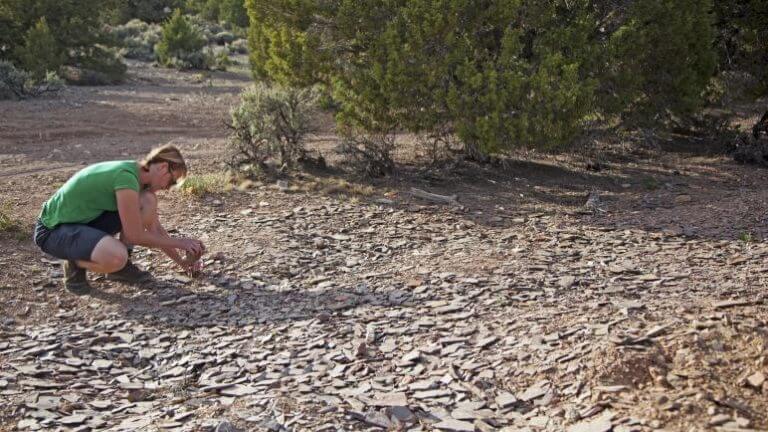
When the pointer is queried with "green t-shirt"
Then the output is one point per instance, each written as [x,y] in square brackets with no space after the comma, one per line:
[90,192]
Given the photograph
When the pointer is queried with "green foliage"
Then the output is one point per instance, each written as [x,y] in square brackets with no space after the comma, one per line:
[181,45]
[41,35]
[210,10]
[221,60]
[272,122]
[229,11]
[97,65]
[240,46]
[137,39]
[223,38]
[742,39]
[8,223]
[233,12]
[207,29]
[280,48]
[150,11]
[746,237]
[369,155]
[40,52]
[651,183]
[205,184]
[427,65]
[661,59]
[497,74]
[19,84]
[13,82]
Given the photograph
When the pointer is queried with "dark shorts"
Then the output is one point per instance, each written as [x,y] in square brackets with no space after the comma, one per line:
[76,241]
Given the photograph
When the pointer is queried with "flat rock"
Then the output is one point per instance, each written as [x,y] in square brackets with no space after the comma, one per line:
[238,390]
[431,394]
[401,413]
[386,400]
[600,424]
[732,303]
[30,424]
[756,380]
[452,425]
[533,392]
[73,420]
[505,400]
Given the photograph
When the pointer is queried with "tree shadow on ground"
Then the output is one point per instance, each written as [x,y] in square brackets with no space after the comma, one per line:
[654,191]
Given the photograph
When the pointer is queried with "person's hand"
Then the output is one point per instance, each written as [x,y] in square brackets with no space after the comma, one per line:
[192,246]
[194,268]
[191,264]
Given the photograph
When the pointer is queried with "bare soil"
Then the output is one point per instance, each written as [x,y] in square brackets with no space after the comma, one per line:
[618,307]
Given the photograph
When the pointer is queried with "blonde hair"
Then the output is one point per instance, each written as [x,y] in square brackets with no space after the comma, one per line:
[168,153]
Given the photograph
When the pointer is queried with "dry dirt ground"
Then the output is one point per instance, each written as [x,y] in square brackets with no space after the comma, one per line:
[526,306]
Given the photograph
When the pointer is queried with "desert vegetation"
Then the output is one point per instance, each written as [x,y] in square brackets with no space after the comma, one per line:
[434,215]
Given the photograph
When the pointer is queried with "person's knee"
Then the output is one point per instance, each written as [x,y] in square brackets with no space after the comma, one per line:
[115,259]
[109,255]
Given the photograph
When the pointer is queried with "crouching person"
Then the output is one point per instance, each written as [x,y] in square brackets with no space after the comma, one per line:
[78,222]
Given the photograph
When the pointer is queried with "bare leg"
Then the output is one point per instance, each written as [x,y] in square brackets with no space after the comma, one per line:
[109,255]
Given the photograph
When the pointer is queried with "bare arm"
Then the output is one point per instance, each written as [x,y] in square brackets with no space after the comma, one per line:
[158,229]
[135,233]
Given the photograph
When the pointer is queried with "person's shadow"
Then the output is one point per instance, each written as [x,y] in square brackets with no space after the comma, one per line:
[207,301]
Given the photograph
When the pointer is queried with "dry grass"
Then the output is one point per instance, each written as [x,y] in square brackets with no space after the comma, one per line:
[205,184]
[8,222]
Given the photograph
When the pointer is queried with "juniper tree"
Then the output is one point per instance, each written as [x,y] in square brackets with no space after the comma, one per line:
[76,28]
[495,73]
[40,53]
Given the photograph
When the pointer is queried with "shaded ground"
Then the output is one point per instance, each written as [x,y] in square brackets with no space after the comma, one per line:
[519,309]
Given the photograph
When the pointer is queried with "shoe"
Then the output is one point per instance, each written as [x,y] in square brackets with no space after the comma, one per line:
[130,274]
[75,280]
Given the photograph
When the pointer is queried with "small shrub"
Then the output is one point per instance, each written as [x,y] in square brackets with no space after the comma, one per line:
[747,150]
[132,28]
[746,237]
[52,83]
[370,155]
[8,223]
[138,39]
[97,65]
[234,12]
[224,38]
[221,61]
[239,46]
[145,10]
[18,84]
[181,44]
[651,183]
[205,184]
[207,29]
[13,82]
[272,122]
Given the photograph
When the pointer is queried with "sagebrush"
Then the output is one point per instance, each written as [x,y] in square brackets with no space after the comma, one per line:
[20,84]
[272,122]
